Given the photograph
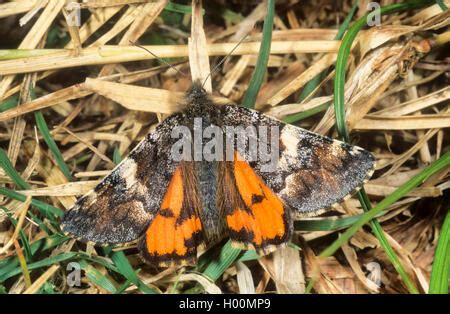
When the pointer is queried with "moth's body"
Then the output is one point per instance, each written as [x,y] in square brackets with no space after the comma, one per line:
[175,206]
[202,176]
[210,213]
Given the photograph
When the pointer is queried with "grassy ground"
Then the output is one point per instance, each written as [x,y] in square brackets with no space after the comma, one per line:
[75,98]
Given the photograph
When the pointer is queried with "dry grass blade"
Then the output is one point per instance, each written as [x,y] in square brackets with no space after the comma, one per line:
[22,214]
[416,122]
[136,97]
[209,287]
[302,79]
[416,104]
[34,36]
[234,74]
[60,59]
[383,190]
[198,56]
[244,279]
[285,268]
[142,98]
[352,260]
[67,189]
[94,149]
[38,283]
[48,100]
[288,109]
[18,7]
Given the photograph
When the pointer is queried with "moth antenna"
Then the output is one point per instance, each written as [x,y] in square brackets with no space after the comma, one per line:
[223,60]
[160,59]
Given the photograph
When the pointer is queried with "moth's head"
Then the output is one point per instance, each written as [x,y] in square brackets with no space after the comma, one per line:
[197,91]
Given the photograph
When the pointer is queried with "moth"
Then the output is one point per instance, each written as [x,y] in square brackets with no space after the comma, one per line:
[173,207]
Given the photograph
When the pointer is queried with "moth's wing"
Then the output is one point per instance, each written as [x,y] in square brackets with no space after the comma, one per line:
[255,217]
[312,172]
[122,205]
[175,233]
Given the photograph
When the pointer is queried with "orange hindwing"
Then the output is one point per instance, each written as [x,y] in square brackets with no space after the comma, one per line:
[260,220]
[174,234]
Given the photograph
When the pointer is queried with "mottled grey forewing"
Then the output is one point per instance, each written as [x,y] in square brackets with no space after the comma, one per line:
[313,172]
[123,204]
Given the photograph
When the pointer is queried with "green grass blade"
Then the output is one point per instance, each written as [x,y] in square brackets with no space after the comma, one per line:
[10,54]
[9,103]
[81,159]
[307,113]
[23,237]
[46,209]
[6,164]
[11,272]
[97,277]
[226,258]
[116,156]
[311,85]
[63,257]
[442,5]
[418,179]
[42,245]
[344,52]
[40,223]
[45,132]
[326,224]
[341,126]
[47,288]
[249,255]
[124,267]
[121,289]
[263,58]
[346,23]
[441,263]
[179,8]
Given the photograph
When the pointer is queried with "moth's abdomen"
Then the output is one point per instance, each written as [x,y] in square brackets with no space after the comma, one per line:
[207,173]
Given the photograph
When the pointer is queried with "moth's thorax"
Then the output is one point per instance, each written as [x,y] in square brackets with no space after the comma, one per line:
[200,106]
